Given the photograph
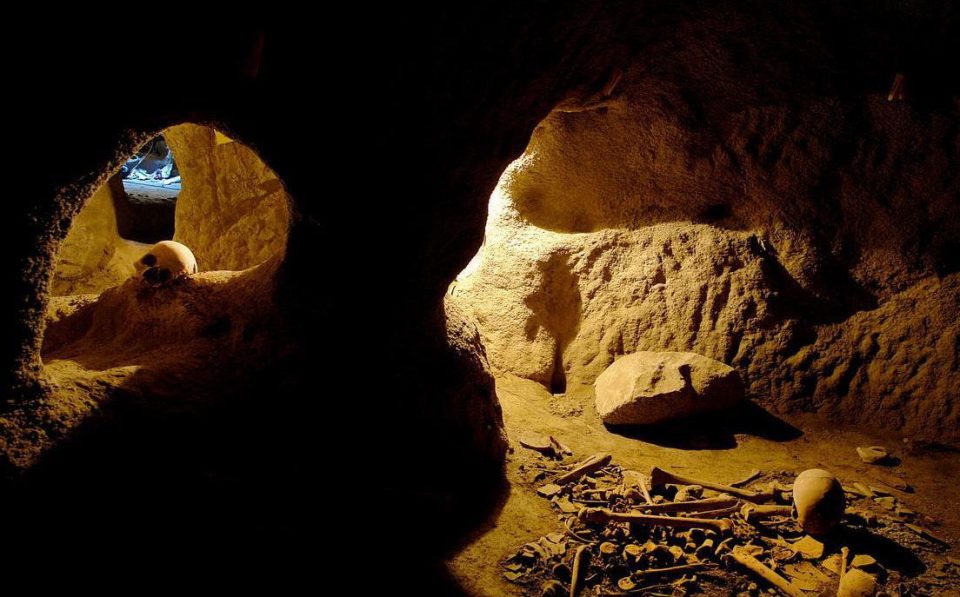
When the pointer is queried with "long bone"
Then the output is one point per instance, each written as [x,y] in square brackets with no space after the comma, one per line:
[602,515]
[659,476]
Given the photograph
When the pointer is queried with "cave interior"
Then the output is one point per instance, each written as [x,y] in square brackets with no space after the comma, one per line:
[559,298]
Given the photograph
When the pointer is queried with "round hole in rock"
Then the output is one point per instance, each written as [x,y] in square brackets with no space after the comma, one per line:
[193,339]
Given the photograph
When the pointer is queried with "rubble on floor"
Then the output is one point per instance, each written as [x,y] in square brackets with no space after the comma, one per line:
[625,532]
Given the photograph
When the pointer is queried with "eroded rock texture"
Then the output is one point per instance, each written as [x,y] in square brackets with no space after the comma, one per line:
[233,212]
[93,256]
[807,239]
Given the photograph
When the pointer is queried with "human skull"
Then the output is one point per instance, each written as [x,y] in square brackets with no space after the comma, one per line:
[818,501]
[167,260]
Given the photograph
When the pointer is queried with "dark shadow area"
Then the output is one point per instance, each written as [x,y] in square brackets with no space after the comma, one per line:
[714,431]
[228,483]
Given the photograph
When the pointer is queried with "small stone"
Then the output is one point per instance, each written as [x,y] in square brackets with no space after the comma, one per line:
[549,490]
[873,454]
[809,548]
[857,583]
[863,561]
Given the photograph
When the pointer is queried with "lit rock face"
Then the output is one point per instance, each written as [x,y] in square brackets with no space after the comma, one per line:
[233,211]
[93,256]
[650,387]
[757,237]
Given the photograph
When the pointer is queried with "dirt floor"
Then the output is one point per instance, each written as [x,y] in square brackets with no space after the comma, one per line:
[723,450]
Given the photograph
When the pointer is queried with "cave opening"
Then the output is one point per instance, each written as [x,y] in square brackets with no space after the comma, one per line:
[151,183]
[147,319]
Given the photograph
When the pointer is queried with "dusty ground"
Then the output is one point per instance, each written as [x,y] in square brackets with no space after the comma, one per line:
[724,453]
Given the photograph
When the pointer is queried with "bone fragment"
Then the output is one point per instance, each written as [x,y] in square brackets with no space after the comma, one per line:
[584,468]
[755,566]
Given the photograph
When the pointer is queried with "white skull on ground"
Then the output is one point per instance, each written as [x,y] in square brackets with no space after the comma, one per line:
[166,261]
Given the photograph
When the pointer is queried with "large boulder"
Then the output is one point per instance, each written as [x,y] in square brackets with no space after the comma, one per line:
[651,387]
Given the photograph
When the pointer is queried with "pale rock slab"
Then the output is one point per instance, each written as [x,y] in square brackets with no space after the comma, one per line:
[651,387]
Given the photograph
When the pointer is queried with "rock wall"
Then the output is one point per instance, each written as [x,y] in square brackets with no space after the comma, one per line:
[93,256]
[233,211]
[785,239]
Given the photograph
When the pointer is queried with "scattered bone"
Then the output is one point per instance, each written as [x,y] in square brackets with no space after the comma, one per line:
[552,588]
[760,512]
[549,490]
[890,503]
[537,442]
[755,566]
[561,571]
[873,454]
[668,570]
[688,492]
[607,548]
[724,547]
[844,556]
[926,534]
[809,548]
[890,480]
[833,564]
[857,583]
[694,506]
[658,476]
[576,576]
[806,570]
[905,512]
[586,467]
[705,550]
[863,561]
[560,449]
[819,500]
[755,473]
[626,584]
[602,515]
[864,490]
[512,576]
